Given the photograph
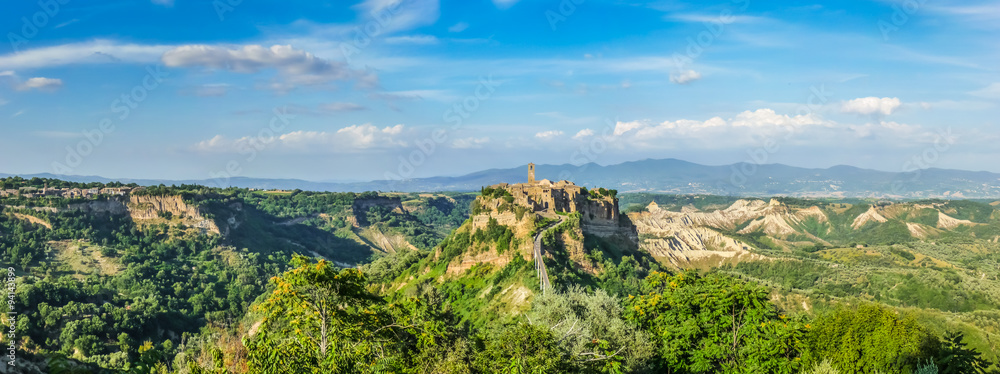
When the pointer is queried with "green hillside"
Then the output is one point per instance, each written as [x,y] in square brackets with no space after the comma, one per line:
[198,280]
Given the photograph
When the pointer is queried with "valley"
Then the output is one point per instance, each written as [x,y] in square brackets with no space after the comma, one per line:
[190,279]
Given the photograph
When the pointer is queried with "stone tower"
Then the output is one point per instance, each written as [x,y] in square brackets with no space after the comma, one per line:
[531,173]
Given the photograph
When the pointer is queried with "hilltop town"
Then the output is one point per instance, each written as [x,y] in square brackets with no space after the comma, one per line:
[69,193]
[598,207]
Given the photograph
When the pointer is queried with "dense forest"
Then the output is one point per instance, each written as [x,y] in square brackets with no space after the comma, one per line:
[298,281]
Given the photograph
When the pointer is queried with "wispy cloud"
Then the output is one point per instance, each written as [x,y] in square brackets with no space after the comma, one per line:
[341,107]
[352,138]
[715,18]
[469,143]
[991,91]
[92,52]
[412,39]
[67,23]
[909,55]
[298,67]
[404,15]
[982,15]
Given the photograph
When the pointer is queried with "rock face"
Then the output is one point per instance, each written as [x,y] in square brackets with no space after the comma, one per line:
[870,215]
[687,237]
[142,208]
[694,238]
[947,222]
[150,207]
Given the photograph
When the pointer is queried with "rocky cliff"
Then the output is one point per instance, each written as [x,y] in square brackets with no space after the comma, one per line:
[692,238]
[148,208]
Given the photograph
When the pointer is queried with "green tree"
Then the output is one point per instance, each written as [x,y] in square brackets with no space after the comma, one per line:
[955,358]
[321,320]
[521,348]
[592,328]
[716,324]
[869,338]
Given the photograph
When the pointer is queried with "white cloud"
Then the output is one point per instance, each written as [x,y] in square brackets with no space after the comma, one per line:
[765,118]
[166,3]
[217,143]
[504,4]
[3,102]
[743,129]
[624,127]
[298,67]
[36,83]
[352,138]
[469,143]
[41,84]
[458,27]
[436,95]
[92,52]
[18,113]
[548,135]
[583,134]
[685,77]
[871,105]
[762,127]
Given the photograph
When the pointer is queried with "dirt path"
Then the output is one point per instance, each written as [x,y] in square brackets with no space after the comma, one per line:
[33,219]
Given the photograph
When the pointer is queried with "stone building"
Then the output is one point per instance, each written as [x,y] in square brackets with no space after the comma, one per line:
[562,197]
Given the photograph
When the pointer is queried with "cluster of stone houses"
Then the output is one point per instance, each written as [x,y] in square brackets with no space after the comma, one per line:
[31,192]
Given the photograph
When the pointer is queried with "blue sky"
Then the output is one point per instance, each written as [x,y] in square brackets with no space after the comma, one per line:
[413,88]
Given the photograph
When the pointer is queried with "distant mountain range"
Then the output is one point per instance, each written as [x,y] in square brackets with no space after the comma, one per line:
[665,176]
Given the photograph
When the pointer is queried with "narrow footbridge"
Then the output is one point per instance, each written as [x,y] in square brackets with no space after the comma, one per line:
[543,275]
